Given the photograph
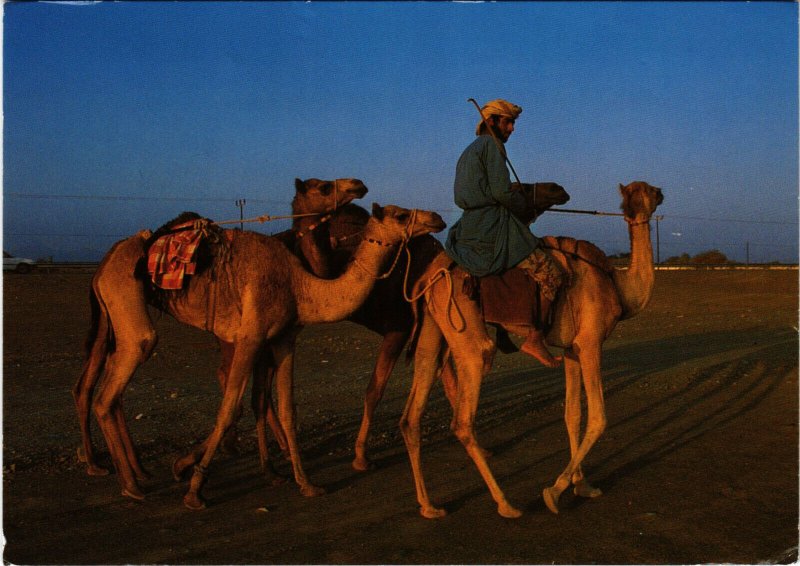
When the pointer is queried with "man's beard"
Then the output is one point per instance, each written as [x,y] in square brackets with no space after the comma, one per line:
[498,134]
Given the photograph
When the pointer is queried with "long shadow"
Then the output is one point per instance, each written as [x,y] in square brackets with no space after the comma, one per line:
[706,402]
[513,396]
[517,393]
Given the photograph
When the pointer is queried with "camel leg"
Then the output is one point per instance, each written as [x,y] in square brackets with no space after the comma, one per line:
[450,381]
[127,444]
[83,391]
[572,417]
[589,367]
[391,348]
[230,439]
[283,350]
[261,401]
[183,463]
[473,352]
[245,351]
[469,382]
[263,364]
[108,411]
[427,360]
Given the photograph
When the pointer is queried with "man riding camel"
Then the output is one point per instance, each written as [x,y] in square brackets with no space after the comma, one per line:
[490,238]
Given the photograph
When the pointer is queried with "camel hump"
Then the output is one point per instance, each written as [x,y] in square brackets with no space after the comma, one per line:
[579,249]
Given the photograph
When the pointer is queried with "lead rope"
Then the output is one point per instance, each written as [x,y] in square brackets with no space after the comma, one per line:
[268,218]
[440,273]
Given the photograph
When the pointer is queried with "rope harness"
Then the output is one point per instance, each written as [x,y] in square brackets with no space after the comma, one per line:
[403,243]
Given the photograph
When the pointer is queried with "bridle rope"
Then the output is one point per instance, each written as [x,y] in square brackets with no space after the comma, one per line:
[403,244]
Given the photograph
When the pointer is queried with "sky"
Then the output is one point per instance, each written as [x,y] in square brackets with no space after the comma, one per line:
[119,116]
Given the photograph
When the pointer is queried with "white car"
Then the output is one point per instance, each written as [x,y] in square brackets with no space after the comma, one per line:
[17,264]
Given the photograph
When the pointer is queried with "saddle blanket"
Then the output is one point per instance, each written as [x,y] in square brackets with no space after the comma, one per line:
[171,257]
[509,298]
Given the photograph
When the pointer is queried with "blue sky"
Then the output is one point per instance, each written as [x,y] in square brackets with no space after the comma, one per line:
[119,116]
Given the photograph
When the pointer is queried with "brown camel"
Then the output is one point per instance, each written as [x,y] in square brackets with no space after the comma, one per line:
[586,313]
[314,202]
[388,313]
[258,297]
[385,311]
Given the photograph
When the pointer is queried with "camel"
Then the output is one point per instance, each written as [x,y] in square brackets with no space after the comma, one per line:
[389,314]
[314,202]
[256,298]
[586,313]
[386,312]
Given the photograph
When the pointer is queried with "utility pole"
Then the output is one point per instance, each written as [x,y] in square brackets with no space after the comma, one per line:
[240,203]
[658,239]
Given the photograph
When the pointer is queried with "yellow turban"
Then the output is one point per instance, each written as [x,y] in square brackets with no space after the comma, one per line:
[498,107]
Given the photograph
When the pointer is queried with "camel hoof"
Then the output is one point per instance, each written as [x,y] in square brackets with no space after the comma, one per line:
[584,489]
[179,468]
[312,490]
[133,493]
[143,475]
[551,496]
[432,512]
[94,470]
[194,502]
[273,478]
[362,465]
[91,468]
[509,511]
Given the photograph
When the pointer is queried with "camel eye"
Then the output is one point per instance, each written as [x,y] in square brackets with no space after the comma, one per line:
[402,216]
[325,189]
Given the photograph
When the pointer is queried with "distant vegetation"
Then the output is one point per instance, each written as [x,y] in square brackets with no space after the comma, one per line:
[710,257]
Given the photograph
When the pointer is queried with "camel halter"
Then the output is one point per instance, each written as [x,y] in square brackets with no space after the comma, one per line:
[633,222]
[403,243]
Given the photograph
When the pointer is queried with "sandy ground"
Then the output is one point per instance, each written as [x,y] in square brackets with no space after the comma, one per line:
[699,463]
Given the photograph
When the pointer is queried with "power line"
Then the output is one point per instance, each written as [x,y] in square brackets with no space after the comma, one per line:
[132,198]
[42,196]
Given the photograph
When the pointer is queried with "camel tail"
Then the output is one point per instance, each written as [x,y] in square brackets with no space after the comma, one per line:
[100,337]
[413,337]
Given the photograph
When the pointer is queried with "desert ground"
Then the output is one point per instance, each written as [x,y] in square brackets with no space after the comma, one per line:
[699,463]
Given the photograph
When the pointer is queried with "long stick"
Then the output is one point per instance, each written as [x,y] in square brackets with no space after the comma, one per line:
[494,137]
[595,212]
[508,161]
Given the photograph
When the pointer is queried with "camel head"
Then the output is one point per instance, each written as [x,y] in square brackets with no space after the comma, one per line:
[391,224]
[540,197]
[639,201]
[315,195]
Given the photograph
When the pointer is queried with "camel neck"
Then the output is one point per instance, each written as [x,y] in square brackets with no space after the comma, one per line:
[313,243]
[635,284]
[330,300]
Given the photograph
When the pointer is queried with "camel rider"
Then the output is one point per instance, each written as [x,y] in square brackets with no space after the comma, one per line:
[490,238]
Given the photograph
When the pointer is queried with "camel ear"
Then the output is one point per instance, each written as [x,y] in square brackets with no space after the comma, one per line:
[299,186]
[377,211]
[621,189]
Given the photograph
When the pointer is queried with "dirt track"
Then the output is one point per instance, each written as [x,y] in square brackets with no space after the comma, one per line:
[699,463]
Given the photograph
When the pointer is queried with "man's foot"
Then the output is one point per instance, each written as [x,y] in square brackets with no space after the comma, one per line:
[534,346]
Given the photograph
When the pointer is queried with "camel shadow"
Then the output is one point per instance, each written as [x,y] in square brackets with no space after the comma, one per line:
[530,392]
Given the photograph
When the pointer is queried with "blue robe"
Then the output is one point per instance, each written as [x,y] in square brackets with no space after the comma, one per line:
[489,237]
